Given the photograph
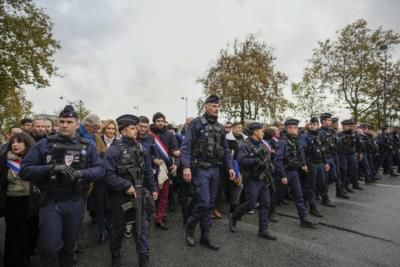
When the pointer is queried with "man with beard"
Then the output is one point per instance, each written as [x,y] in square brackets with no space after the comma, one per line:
[38,131]
[168,149]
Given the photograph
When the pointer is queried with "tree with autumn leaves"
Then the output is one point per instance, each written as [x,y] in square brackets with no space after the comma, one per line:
[27,48]
[247,82]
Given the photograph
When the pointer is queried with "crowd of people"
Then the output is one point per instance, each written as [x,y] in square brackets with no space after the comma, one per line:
[127,171]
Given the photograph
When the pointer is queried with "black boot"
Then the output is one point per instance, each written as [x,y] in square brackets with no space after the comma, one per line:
[267,235]
[315,212]
[190,235]
[327,202]
[116,260]
[272,218]
[357,187]
[340,194]
[306,223]
[144,261]
[232,223]
[347,188]
[207,243]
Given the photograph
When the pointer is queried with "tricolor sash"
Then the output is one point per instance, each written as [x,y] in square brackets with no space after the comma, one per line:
[14,165]
[162,149]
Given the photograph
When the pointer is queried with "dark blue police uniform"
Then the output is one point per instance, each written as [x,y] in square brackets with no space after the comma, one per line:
[204,150]
[60,217]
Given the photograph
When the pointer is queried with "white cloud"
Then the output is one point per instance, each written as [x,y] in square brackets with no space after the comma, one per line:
[119,54]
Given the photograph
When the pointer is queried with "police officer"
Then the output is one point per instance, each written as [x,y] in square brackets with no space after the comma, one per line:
[363,164]
[288,159]
[256,166]
[328,138]
[311,144]
[129,175]
[386,145]
[347,153]
[62,165]
[204,150]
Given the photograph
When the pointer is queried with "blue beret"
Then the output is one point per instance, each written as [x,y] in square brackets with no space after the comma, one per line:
[126,120]
[255,126]
[313,120]
[348,122]
[325,116]
[68,112]
[291,121]
[214,99]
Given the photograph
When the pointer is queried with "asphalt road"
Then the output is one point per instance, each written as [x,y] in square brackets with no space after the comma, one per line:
[362,231]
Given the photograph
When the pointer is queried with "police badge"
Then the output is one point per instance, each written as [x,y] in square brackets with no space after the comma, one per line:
[69,159]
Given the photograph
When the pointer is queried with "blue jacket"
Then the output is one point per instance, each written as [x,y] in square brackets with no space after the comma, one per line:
[36,169]
[189,141]
[169,140]
[281,156]
[119,184]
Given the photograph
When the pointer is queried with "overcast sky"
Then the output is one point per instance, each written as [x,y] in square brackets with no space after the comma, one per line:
[148,53]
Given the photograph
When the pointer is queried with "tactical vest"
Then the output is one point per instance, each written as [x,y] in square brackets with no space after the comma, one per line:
[292,160]
[131,162]
[257,172]
[315,149]
[370,143]
[362,145]
[207,149]
[329,143]
[347,143]
[70,154]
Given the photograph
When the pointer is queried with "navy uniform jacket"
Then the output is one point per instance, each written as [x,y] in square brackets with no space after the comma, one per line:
[348,149]
[149,144]
[281,157]
[36,169]
[189,141]
[119,184]
[384,142]
[305,142]
[246,157]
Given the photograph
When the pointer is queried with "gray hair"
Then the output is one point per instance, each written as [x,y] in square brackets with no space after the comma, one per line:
[91,119]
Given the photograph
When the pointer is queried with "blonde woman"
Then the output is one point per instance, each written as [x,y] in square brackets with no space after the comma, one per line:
[109,132]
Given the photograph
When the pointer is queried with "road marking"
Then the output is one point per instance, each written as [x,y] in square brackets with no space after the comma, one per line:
[387,185]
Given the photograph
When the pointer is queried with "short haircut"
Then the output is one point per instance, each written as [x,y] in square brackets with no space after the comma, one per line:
[13,127]
[236,123]
[144,119]
[25,120]
[158,115]
[92,119]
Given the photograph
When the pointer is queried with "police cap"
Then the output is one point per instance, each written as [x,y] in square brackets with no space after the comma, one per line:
[348,122]
[291,121]
[68,112]
[126,120]
[212,99]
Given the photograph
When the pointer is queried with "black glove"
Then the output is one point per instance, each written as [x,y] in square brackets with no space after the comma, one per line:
[59,168]
[72,174]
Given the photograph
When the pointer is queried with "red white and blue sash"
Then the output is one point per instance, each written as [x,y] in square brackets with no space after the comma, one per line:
[267,146]
[14,165]
[162,149]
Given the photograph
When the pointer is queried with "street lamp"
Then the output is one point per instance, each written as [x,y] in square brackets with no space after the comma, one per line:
[137,109]
[186,105]
[384,48]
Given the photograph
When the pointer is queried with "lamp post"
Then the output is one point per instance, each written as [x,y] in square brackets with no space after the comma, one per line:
[186,105]
[384,48]
[137,110]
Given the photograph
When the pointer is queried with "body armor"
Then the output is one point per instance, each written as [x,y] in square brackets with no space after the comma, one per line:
[131,164]
[293,155]
[70,154]
[315,149]
[207,150]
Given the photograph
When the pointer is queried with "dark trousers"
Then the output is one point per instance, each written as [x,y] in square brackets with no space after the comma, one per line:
[186,198]
[364,168]
[333,173]
[59,224]
[205,182]
[371,162]
[118,226]
[386,158]
[294,184]
[348,169]
[21,232]
[315,179]
[102,208]
[256,191]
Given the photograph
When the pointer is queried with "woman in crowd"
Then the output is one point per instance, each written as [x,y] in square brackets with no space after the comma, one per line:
[21,227]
